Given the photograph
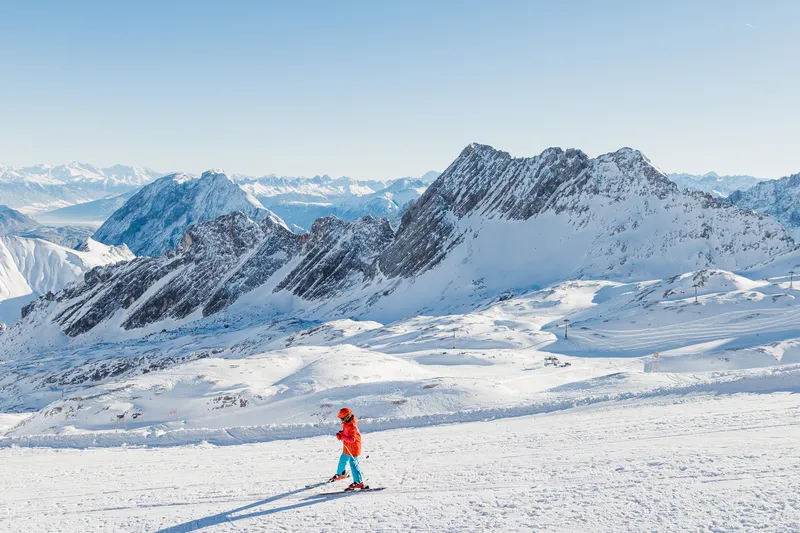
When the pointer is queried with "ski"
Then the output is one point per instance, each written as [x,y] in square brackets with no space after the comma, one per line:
[345,491]
[323,483]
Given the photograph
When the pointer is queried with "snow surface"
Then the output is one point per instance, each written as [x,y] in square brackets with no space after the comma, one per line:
[32,267]
[709,462]
[285,375]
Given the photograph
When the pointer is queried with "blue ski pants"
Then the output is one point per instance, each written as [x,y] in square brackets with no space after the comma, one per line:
[355,468]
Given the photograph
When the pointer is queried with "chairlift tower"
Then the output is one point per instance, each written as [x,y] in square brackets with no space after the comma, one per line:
[655,364]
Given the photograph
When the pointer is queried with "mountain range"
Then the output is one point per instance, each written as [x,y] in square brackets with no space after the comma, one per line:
[301,201]
[44,187]
[81,194]
[13,222]
[489,224]
[779,198]
[713,183]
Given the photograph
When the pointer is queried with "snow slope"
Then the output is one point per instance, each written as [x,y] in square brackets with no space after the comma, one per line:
[12,221]
[708,462]
[464,421]
[155,219]
[733,312]
[32,267]
[287,376]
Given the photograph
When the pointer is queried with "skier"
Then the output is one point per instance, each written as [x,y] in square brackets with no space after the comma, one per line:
[351,449]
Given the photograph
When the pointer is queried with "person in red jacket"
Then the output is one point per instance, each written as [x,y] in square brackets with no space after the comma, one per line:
[351,449]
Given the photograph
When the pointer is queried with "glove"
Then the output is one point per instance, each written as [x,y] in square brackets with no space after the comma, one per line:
[339,435]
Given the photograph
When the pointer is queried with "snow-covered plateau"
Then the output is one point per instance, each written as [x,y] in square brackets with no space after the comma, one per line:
[555,343]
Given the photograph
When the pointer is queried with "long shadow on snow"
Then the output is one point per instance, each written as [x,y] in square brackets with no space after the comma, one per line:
[226,517]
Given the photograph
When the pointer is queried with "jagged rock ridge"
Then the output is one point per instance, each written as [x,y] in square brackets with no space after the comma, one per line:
[617,210]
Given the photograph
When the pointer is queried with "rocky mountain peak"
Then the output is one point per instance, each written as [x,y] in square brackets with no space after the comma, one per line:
[156,218]
[215,173]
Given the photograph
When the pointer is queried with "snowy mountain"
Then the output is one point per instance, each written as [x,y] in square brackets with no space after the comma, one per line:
[489,224]
[779,198]
[82,194]
[390,202]
[43,187]
[301,201]
[67,236]
[78,173]
[33,267]
[567,216]
[94,212]
[713,183]
[12,221]
[155,219]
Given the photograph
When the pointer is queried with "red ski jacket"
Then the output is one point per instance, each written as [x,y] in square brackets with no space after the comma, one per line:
[351,438]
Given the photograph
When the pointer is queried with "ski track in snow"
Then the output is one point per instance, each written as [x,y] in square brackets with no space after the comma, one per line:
[688,463]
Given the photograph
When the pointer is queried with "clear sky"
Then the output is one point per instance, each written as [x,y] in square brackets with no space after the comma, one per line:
[379,89]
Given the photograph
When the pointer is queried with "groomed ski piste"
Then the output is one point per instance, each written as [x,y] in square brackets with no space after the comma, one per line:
[481,417]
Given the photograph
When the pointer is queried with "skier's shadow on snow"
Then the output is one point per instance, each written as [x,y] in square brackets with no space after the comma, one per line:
[228,516]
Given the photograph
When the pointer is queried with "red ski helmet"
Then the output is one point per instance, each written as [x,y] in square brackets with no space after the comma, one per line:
[344,412]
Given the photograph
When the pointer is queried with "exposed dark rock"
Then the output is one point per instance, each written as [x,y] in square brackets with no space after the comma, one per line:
[337,256]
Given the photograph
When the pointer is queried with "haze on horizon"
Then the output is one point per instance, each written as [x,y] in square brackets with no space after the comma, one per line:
[396,89]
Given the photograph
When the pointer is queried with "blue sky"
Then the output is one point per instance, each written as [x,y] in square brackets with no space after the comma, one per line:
[386,89]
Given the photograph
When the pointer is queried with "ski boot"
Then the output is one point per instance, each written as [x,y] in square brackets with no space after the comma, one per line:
[337,477]
[356,486]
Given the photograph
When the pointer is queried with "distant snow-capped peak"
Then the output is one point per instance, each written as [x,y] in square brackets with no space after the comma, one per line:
[713,183]
[78,172]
